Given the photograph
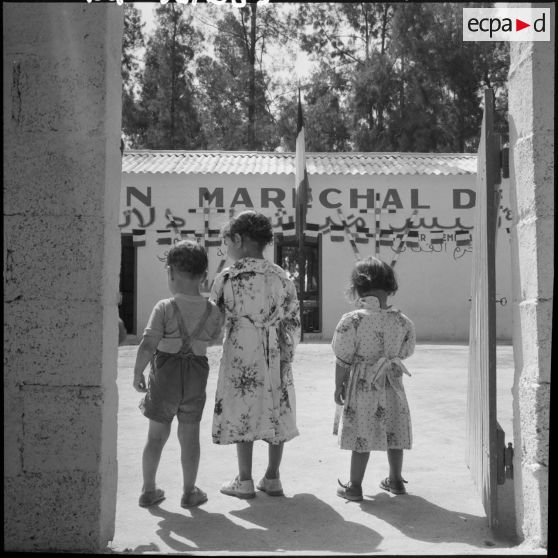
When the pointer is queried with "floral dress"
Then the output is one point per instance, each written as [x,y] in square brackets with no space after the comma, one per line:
[255,398]
[370,342]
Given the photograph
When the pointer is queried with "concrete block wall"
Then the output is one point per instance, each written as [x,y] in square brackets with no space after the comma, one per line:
[62,113]
[531,119]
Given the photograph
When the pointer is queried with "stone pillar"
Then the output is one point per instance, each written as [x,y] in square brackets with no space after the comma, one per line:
[62,172]
[531,119]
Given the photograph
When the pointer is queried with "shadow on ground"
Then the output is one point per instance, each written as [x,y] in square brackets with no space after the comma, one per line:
[441,515]
[309,525]
[429,523]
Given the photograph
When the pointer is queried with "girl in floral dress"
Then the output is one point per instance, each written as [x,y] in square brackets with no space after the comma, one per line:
[369,343]
[255,398]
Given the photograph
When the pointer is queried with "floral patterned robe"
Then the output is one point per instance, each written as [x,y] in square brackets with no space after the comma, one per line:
[371,342]
[255,398]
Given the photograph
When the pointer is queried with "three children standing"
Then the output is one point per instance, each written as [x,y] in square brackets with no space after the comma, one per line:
[255,397]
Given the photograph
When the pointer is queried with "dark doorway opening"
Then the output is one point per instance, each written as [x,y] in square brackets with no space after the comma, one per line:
[286,255]
[127,305]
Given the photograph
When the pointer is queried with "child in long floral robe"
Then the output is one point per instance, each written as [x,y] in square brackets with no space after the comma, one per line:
[255,397]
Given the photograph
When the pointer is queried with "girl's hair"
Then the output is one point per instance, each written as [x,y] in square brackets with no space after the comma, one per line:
[250,224]
[369,274]
[188,256]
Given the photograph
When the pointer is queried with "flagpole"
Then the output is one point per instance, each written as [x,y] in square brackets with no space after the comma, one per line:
[301,259]
[302,272]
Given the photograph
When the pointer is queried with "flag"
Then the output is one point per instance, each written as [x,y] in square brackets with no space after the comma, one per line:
[288,230]
[303,196]
[164,236]
[312,229]
[412,240]
[462,238]
[335,237]
[386,237]
[191,234]
[289,226]
[363,234]
[213,237]
[436,237]
[138,237]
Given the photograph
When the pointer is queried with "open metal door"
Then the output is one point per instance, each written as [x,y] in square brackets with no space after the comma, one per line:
[482,442]
[287,256]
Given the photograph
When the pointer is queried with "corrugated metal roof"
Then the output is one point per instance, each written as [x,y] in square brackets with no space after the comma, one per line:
[251,162]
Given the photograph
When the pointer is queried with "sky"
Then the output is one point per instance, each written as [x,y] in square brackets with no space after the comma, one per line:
[147,10]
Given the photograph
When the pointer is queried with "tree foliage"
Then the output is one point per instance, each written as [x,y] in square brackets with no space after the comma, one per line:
[169,115]
[132,41]
[235,84]
[386,77]
[325,124]
[415,85]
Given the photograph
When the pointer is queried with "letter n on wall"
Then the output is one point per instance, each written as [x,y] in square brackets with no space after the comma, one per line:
[143,198]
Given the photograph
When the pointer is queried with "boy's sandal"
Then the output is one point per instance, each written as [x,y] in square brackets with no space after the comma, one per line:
[395,487]
[194,498]
[151,497]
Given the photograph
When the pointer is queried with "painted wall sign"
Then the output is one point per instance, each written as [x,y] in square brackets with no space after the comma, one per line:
[424,223]
[329,198]
[435,233]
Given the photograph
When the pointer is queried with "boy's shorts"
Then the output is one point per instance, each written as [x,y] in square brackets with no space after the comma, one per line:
[176,388]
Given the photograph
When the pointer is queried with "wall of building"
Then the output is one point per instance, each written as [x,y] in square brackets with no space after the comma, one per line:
[531,119]
[62,92]
[434,278]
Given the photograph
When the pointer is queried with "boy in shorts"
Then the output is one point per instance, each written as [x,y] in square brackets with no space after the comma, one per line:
[175,341]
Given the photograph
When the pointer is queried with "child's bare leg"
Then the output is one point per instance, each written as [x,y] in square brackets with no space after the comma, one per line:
[359,461]
[244,456]
[157,436]
[189,438]
[275,454]
[395,460]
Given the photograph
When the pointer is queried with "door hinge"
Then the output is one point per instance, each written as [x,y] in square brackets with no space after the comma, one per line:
[504,456]
[505,162]
[508,461]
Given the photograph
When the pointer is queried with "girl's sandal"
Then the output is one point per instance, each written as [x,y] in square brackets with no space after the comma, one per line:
[395,487]
[349,491]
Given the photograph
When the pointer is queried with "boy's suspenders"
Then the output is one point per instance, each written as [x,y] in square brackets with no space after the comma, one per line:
[187,338]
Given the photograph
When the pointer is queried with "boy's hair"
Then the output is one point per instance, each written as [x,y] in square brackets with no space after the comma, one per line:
[371,273]
[252,224]
[188,256]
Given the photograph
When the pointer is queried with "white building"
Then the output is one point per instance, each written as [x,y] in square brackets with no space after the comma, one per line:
[421,202]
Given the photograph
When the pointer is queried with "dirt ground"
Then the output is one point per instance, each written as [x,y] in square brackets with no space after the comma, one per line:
[442,513]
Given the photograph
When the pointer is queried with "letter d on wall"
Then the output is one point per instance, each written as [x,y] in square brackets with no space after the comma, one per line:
[458,202]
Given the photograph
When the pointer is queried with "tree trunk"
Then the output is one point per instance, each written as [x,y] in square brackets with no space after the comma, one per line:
[402,89]
[461,134]
[173,79]
[252,80]
[384,27]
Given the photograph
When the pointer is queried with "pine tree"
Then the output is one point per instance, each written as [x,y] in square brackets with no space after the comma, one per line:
[410,83]
[168,104]
[234,86]
[132,40]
